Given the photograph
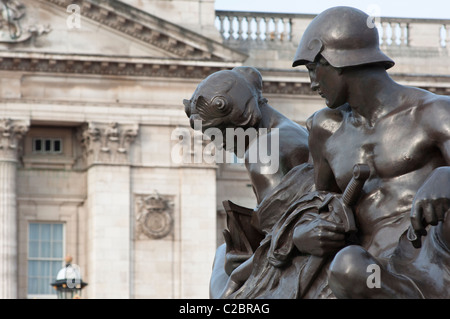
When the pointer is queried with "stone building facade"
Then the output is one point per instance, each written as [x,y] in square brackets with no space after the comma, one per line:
[90,102]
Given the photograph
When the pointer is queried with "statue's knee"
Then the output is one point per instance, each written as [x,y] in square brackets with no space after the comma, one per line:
[347,271]
[348,261]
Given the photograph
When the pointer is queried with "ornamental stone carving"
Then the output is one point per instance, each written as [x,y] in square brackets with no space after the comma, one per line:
[107,142]
[154,216]
[12,26]
[149,29]
[11,134]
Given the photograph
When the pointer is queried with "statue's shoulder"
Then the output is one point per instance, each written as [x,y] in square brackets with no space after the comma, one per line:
[432,110]
[436,103]
[293,130]
[327,120]
[293,143]
[434,116]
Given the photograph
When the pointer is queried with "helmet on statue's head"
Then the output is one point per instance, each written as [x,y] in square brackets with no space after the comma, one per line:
[344,36]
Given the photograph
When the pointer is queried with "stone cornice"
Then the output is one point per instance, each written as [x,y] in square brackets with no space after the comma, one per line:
[284,82]
[153,30]
[296,88]
[108,65]
[302,88]
[288,82]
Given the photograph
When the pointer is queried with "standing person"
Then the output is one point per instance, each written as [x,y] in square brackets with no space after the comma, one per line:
[402,133]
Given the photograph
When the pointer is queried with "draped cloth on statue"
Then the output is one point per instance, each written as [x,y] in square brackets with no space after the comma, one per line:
[428,267]
[279,269]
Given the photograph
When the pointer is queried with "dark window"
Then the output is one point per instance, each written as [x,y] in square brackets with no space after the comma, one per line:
[57,146]
[38,145]
[47,145]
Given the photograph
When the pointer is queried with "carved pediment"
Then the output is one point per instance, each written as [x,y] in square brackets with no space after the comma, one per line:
[110,27]
[109,37]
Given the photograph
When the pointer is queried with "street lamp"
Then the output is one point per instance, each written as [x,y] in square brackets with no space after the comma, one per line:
[68,283]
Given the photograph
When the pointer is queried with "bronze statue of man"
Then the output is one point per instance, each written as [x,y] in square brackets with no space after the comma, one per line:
[232,99]
[402,133]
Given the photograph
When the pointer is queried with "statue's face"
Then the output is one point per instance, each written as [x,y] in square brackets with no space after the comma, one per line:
[328,82]
[224,100]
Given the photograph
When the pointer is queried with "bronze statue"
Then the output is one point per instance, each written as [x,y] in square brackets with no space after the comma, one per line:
[233,99]
[403,135]
[374,194]
[260,257]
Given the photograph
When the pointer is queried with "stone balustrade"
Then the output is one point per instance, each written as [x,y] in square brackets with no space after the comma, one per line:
[413,32]
[260,27]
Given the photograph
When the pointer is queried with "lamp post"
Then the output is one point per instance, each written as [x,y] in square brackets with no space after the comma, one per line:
[68,283]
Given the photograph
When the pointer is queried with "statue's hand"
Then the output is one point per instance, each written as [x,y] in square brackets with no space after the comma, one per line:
[432,201]
[319,236]
[233,257]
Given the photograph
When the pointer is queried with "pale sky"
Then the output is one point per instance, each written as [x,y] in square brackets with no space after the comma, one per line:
[434,9]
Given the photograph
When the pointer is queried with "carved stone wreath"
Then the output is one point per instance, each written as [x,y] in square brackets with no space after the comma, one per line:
[154,217]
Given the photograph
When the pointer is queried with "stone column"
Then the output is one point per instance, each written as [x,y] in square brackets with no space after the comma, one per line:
[106,148]
[11,134]
[198,235]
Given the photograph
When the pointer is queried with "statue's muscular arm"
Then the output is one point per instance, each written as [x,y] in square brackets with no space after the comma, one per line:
[319,236]
[436,119]
[432,201]
[291,142]
[321,125]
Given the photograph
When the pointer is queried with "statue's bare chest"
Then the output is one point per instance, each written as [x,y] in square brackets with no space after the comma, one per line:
[394,146]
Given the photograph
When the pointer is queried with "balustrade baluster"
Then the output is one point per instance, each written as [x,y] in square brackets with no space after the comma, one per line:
[395,33]
[407,35]
[267,32]
[240,30]
[402,33]
[258,28]
[447,36]
[276,31]
[249,27]
[222,28]
[231,19]
[287,30]
[385,26]
[226,28]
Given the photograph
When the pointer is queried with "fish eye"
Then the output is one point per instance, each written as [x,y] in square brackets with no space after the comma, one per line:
[219,102]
